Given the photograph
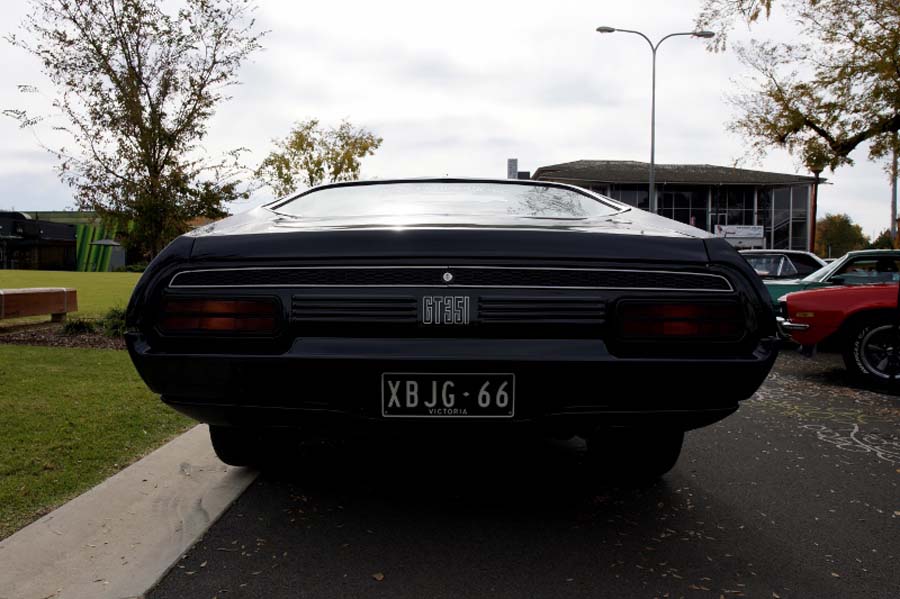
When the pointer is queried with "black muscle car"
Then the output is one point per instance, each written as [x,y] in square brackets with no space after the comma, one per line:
[453,304]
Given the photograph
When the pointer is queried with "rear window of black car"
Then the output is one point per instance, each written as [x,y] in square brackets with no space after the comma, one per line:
[447,199]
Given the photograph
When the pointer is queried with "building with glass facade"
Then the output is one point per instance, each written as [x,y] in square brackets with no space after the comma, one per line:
[703,195]
[27,243]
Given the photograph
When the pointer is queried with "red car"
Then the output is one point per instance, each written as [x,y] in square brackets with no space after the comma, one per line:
[863,321]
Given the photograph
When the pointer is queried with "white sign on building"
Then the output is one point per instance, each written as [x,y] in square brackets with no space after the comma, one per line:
[742,236]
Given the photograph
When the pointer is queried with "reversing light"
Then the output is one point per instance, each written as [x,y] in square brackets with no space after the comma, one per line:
[197,315]
[683,321]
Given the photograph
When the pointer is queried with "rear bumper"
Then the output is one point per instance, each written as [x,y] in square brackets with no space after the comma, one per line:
[571,384]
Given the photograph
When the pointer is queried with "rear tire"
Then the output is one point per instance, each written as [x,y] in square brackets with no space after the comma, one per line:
[634,455]
[238,446]
[872,353]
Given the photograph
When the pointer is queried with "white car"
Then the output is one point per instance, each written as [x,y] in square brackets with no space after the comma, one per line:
[783,264]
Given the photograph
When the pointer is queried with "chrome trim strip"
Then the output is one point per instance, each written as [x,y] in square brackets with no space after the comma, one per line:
[788,325]
[302,286]
[172,283]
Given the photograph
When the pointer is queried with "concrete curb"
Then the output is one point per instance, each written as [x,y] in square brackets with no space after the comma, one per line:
[120,538]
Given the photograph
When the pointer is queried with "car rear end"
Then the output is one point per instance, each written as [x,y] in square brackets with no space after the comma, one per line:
[567,331]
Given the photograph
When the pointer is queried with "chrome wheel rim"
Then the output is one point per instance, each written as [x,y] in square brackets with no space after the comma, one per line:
[880,352]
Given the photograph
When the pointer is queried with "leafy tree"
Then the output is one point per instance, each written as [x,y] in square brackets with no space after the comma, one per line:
[884,241]
[310,154]
[824,93]
[836,232]
[136,87]
[831,88]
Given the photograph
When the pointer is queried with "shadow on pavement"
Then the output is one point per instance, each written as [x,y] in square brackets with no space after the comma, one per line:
[523,473]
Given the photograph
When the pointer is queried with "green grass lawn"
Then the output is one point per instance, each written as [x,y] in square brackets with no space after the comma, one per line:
[70,418]
[97,291]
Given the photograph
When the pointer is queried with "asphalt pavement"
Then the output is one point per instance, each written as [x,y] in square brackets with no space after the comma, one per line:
[796,495]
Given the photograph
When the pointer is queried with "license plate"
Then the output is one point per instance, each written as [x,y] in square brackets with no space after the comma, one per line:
[447,395]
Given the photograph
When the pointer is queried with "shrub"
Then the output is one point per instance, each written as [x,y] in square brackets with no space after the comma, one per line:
[136,267]
[113,323]
[77,326]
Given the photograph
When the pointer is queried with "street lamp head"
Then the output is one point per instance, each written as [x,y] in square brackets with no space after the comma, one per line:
[704,34]
[605,29]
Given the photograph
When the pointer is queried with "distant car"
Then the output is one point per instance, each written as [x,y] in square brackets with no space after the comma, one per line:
[456,305]
[783,264]
[862,320]
[863,267]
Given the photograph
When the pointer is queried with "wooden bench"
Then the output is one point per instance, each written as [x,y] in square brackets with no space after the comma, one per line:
[56,301]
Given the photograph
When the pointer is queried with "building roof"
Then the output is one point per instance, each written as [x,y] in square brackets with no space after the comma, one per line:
[69,217]
[629,171]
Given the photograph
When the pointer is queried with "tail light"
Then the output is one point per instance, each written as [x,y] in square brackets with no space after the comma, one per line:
[640,321]
[224,316]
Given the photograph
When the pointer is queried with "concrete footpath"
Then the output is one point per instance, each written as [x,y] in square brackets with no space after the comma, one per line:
[118,539]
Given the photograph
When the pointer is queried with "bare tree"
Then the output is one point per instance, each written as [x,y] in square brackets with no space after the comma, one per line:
[136,87]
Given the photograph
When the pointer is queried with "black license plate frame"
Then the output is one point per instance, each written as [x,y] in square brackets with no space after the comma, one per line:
[448,395]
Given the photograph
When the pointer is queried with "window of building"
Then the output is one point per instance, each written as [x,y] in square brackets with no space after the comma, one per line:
[732,206]
[633,195]
[799,209]
[686,205]
[781,218]
[739,205]
[764,213]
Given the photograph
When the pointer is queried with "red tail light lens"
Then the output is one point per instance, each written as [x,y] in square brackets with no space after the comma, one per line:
[682,320]
[245,316]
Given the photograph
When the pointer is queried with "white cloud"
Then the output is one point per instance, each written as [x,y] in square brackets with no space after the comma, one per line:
[458,88]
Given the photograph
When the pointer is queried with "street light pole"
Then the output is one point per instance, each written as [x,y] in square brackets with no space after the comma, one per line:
[653,49]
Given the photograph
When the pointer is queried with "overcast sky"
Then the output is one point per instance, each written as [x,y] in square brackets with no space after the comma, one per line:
[457,88]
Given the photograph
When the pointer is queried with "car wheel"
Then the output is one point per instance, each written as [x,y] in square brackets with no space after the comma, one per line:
[238,446]
[634,455]
[872,353]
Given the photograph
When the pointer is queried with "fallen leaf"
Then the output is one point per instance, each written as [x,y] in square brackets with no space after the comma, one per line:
[378,576]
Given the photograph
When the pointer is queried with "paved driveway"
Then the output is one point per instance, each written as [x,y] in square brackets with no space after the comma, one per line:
[794,496]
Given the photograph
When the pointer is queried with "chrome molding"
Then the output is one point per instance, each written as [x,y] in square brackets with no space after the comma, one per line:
[173,284]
